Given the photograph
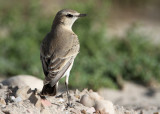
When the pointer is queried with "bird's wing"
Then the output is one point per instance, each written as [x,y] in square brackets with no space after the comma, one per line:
[44,64]
[62,72]
[55,66]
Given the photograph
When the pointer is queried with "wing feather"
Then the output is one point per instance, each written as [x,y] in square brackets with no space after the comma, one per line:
[55,66]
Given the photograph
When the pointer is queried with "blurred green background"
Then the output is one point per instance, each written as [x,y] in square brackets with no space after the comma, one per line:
[119,40]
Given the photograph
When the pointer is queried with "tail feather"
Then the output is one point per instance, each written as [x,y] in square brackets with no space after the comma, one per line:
[49,90]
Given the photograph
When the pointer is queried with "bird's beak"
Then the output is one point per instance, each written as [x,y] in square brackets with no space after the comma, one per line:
[82,15]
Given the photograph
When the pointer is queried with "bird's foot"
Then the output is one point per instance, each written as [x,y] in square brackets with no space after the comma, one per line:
[70,105]
[41,96]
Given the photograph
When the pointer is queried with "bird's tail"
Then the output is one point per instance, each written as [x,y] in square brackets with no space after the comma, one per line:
[49,90]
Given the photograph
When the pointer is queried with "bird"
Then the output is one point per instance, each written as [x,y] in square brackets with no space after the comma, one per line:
[58,51]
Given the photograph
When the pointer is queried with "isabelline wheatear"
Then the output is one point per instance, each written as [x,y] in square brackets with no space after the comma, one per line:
[58,51]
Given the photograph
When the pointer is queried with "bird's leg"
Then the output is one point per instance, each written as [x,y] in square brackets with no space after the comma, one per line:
[68,96]
[57,85]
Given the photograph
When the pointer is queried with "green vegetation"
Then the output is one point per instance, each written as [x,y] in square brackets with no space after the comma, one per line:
[102,62]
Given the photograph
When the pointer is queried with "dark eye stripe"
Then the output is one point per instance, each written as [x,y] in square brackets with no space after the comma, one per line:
[69,15]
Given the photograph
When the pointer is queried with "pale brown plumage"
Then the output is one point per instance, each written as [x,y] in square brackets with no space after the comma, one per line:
[58,50]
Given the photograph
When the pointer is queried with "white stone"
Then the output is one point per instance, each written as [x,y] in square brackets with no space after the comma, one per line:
[24,80]
[12,98]
[18,99]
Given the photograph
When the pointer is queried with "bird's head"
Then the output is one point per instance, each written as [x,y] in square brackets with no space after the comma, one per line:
[67,17]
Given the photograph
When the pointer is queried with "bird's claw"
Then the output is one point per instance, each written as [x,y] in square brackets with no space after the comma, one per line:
[70,105]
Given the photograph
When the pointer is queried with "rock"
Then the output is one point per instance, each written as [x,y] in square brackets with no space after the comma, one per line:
[61,100]
[24,80]
[2,101]
[18,99]
[104,106]
[12,98]
[90,110]
[95,96]
[92,99]
[86,100]
[24,92]
[36,100]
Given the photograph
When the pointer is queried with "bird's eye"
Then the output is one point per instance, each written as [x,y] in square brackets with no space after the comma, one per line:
[69,15]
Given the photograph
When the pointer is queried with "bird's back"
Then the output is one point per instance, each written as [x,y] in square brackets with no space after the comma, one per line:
[58,43]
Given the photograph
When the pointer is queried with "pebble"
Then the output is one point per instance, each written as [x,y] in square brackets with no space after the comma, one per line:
[18,99]
[2,101]
[104,106]
[86,100]
[12,98]
[61,100]
[92,99]
[23,92]
[90,110]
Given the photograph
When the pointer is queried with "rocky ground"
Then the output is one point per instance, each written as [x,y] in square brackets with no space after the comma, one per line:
[136,97]
[18,95]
